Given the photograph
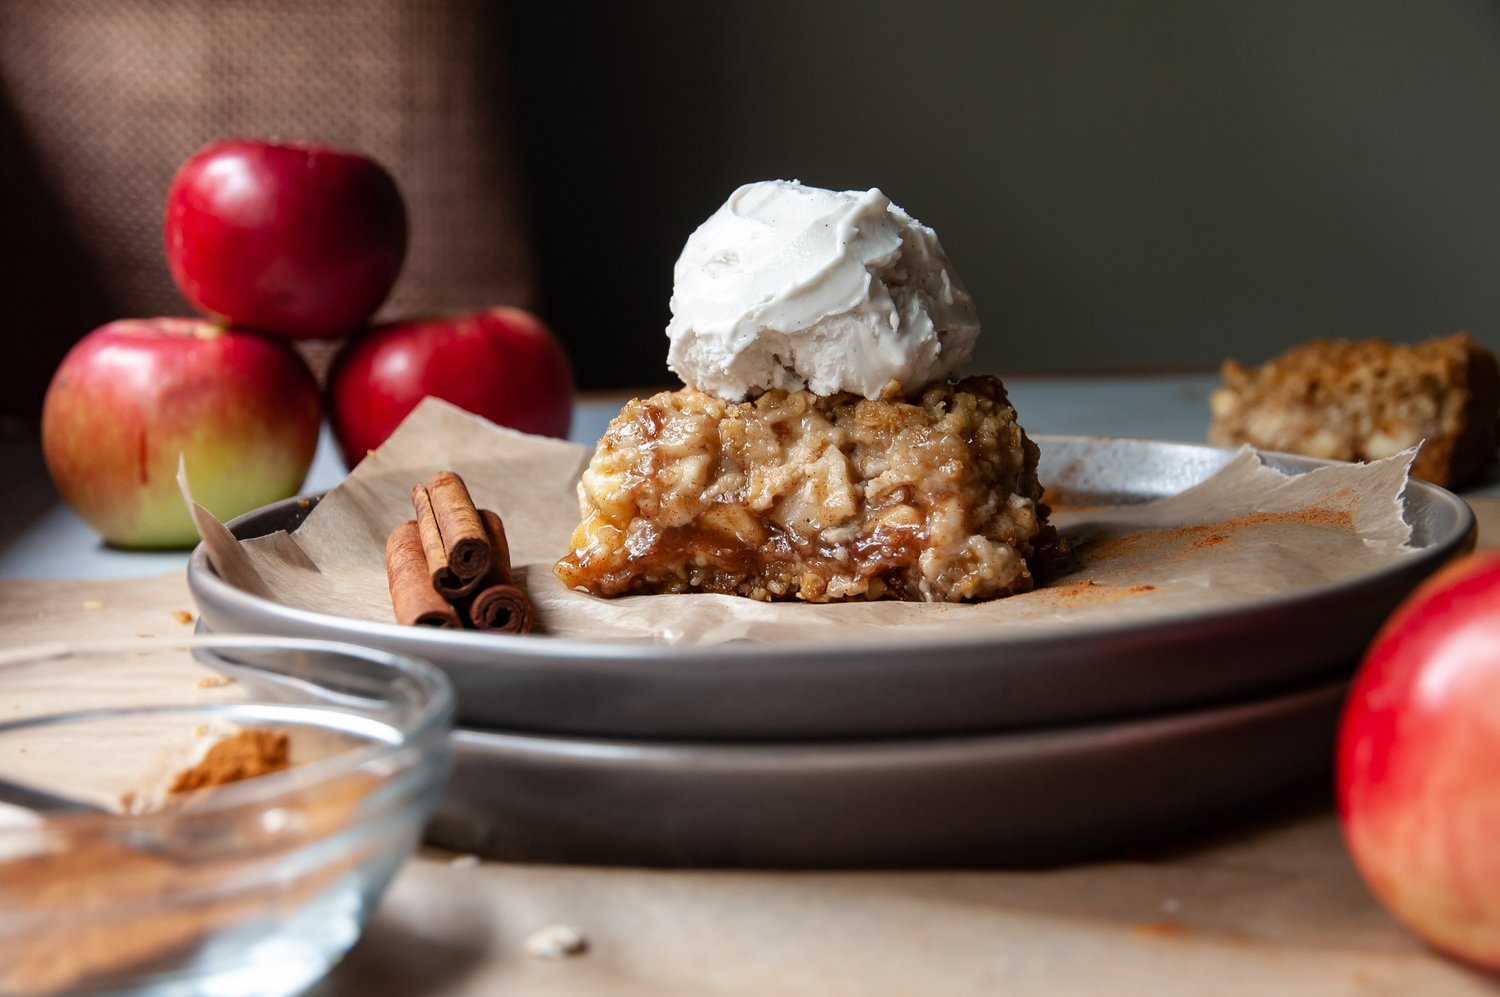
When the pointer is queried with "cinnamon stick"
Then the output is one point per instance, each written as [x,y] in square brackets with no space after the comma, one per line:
[415,601]
[499,606]
[453,538]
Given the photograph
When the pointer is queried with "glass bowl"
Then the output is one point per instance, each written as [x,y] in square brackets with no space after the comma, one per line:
[117,877]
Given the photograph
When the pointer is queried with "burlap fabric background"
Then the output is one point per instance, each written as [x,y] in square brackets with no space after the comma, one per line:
[100,100]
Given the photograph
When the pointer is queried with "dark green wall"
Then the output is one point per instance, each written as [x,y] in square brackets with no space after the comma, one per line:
[1121,185]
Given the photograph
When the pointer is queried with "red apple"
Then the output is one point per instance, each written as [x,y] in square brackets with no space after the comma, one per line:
[130,396]
[1419,761]
[503,364]
[292,238]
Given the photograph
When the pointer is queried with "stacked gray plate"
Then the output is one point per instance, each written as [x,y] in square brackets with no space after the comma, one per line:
[1015,748]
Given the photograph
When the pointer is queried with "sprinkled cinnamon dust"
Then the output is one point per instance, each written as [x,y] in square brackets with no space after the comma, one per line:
[1074,590]
[1161,929]
[1087,590]
[1212,534]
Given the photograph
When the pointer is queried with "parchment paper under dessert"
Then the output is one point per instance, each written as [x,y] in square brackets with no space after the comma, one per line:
[1248,532]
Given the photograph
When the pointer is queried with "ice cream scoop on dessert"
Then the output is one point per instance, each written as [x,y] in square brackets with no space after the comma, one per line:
[819,450]
[794,287]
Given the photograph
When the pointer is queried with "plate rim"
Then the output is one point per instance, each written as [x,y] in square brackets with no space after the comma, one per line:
[589,799]
[568,650]
[886,750]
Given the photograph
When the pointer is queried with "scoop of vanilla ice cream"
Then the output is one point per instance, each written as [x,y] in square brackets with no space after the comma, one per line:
[791,287]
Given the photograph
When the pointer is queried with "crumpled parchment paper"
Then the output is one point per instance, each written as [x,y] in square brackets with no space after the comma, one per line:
[1248,532]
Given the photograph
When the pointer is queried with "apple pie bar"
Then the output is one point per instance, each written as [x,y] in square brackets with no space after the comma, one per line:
[1367,399]
[794,495]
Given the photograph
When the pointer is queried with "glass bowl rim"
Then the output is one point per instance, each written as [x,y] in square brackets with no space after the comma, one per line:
[431,722]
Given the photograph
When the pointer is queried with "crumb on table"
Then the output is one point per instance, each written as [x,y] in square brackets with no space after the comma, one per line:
[557,941]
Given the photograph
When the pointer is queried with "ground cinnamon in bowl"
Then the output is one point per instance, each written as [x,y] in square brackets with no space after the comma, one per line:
[104,908]
[227,838]
[245,755]
[84,867]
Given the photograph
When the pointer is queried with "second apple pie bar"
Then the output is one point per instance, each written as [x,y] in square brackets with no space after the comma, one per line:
[1367,399]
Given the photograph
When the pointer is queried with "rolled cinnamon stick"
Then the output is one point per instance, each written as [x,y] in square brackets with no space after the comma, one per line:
[499,606]
[453,539]
[415,601]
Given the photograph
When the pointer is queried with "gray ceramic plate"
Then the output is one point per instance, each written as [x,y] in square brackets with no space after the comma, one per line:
[1004,680]
[998,799]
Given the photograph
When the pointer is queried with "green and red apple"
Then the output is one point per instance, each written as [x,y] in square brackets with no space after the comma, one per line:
[242,409]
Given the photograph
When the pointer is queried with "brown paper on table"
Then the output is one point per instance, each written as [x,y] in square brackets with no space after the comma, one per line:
[124,763]
[1269,908]
[1250,531]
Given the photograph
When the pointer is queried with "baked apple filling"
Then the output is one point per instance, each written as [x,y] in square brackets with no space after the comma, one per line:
[794,495]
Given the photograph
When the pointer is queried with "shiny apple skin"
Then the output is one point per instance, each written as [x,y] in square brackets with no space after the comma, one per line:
[291,238]
[503,364]
[1418,774]
[242,408]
